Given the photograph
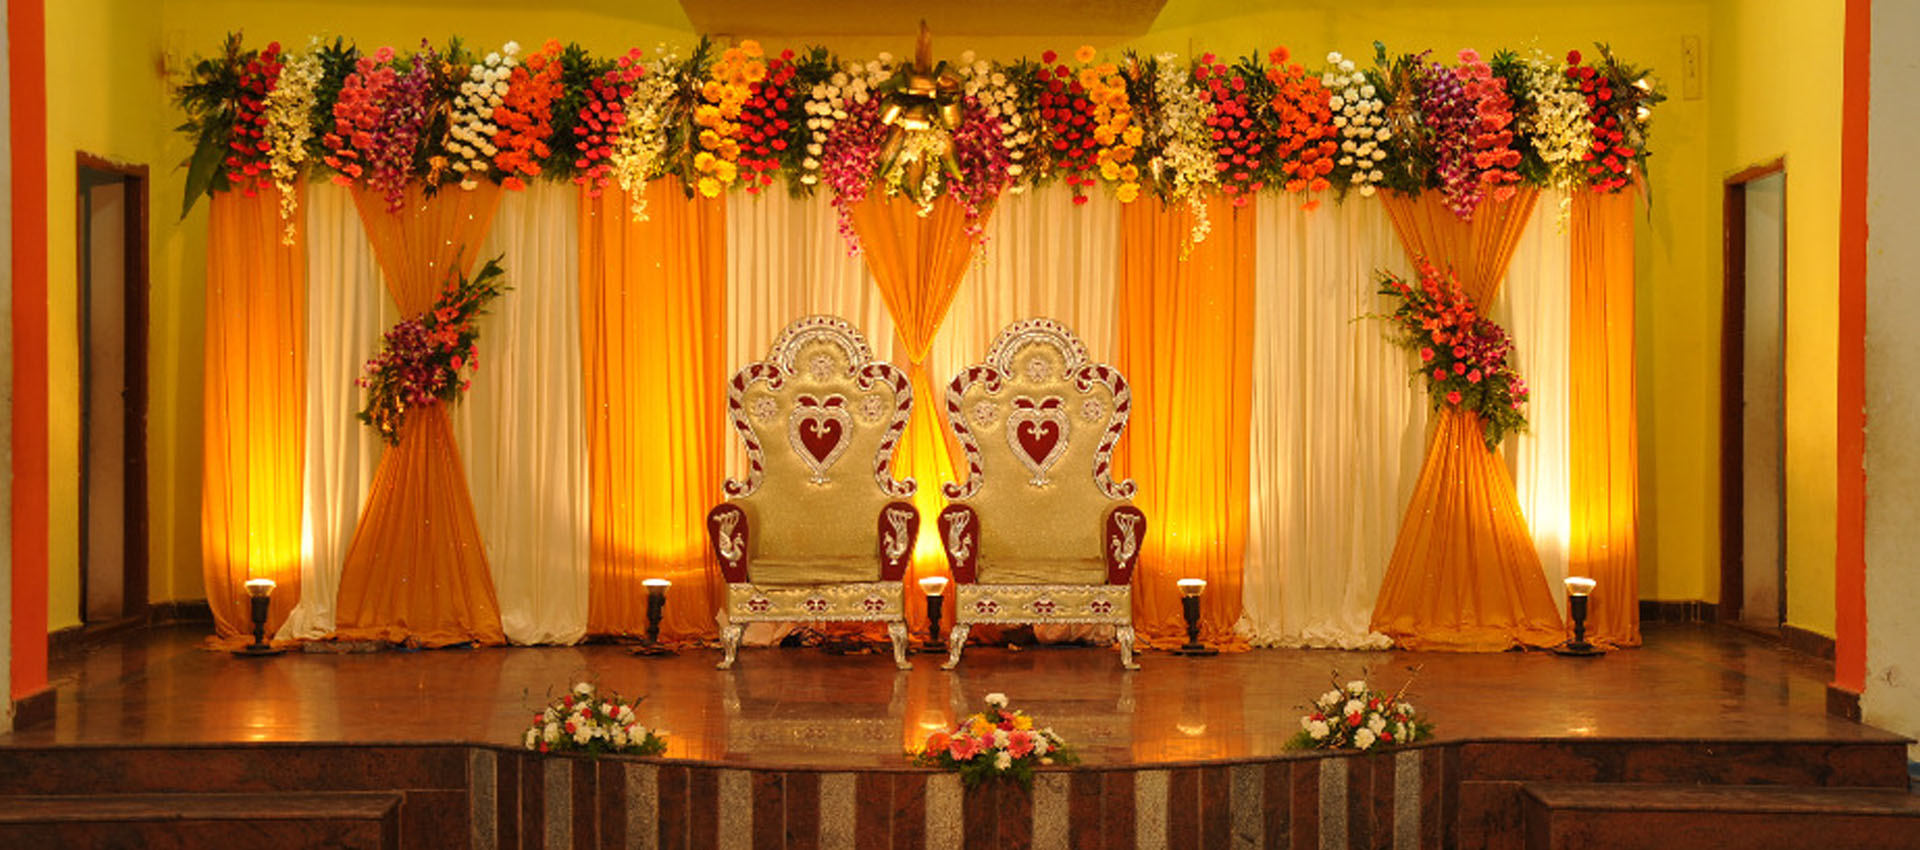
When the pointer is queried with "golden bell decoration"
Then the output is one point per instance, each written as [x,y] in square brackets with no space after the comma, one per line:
[927,99]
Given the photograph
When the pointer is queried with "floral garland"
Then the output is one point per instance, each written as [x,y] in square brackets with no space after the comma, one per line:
[639,153]
[997,742]
[584,720]
[1241,152]
[727,87]
[738,118]
[1358,717]
[421,359]
[1304,126]
[379,120]
[1463,354]
[289,114]
[603,120]
[1493,155]
[468,147]
[1066,113]
[1556,119]
[1360,116]
[1186,162]
[525,116]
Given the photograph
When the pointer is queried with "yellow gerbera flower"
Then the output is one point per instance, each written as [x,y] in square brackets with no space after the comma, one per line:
[1127,192]
[751,48]
[709,187]
[1085,54]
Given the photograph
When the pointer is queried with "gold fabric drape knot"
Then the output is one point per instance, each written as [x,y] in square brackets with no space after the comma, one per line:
[1464,574]
[417,569]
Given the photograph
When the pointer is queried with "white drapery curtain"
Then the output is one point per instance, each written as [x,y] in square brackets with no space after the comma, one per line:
[1534,306]
[1337,437]
[521,428]
[1339,420]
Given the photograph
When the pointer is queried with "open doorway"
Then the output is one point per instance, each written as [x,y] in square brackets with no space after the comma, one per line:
[112,296]
[1753,563]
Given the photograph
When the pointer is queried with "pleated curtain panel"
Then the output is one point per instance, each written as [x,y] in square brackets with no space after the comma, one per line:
[256,369]
[1281,451]
[1465,574]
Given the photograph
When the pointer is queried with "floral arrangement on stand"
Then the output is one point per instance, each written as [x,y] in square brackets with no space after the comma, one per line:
[997,742]
[1464,356]
[741,118]
[586,720]
[1356,716]
[422,358]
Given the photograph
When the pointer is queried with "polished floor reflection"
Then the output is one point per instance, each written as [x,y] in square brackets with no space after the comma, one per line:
[802,707]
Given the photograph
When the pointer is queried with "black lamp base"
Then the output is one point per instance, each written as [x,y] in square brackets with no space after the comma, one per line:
[1197,650]
[652,648]
[258,650]
[1579,649]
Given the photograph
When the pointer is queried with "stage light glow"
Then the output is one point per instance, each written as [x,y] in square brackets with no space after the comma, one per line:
[1192,586]
[657,582]
[259,587]
[934,585]
[1580,585]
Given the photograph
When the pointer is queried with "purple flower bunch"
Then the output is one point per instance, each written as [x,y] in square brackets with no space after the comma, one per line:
[979,147]
[421,359]
[1450,120]
[393,143]
[847,161]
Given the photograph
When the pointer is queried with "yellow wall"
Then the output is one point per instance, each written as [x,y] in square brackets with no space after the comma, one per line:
[1776,93]
[1678,289]
[107,99]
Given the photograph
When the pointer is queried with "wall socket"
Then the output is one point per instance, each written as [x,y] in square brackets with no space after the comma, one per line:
[1692,67]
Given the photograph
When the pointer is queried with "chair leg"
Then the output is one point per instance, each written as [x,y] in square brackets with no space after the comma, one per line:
[956,641]
[729,644]
[897,632]
[1124,634]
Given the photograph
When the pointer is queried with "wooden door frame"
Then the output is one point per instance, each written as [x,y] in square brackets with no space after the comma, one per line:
[135,583]
[1733,341]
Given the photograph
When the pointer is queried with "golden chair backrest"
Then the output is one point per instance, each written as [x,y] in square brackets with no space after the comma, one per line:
[820,420]
[1038,421]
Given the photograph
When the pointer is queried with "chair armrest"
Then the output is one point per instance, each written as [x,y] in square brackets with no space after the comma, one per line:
[899,528]
[960,539]
[729,529]
[1126,529]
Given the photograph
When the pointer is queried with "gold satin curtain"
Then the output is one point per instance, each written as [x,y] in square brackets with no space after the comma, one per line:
[256,409]
[1604,450]
[1464,574]
[918,262]
[417,570]
[653,349]
[1186,348]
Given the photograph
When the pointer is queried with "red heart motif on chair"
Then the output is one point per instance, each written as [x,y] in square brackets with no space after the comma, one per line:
[1037,431]
[819,430]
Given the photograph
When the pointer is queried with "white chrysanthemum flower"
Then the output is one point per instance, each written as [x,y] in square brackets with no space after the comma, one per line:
[1377,723]
[997,700]
[533,738]
[1318,730]
[1003,761]
[1363,739]
[584,689]
[1329,699]
[1353,707]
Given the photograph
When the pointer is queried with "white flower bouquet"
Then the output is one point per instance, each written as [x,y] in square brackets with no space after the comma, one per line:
[1354,716]
[584,720]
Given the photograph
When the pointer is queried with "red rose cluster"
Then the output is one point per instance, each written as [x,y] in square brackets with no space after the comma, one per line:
[1239,155]
[602,118]
[765,121]
[1066,118]
[248,167]
[1609,156]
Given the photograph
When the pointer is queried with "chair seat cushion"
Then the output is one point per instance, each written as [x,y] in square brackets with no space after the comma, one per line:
[1043,571]
[775,570]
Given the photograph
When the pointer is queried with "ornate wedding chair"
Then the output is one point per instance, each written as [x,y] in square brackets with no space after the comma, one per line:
[1037,531]
[820,531]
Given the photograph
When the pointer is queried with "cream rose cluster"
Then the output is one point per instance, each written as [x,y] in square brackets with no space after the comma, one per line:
[1360,115]
[470,127]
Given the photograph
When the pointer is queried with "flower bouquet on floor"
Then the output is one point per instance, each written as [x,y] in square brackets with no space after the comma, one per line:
[1354,716]
[994,743]
[584,720]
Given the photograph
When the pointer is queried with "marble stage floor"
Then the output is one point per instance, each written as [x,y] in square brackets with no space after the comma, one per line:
[803,708]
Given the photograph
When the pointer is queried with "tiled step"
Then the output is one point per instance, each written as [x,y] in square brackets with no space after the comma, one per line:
[1751,817]
[369,820]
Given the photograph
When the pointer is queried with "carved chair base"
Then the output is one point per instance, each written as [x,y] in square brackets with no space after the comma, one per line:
[1034,604]
[880,601]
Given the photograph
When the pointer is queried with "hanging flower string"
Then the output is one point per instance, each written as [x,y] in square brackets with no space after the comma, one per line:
[525,117]
[289,114]
[1464,356]
[1493,155]
[421,362]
